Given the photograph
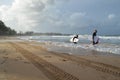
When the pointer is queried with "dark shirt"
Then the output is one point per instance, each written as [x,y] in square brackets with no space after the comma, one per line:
[75,37]
[93,36]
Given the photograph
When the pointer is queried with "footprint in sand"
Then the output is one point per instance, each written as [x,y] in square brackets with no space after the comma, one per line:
[26,62]
[4,59]
[18,58]
[64,60]
[48,56]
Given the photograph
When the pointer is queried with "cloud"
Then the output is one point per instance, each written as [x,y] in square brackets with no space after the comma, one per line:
[37,15]
[78,19]
[60,15]
[23,15]
[111,16]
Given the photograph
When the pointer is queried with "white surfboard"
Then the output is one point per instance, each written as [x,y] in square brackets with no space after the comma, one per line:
[96,39]
[75,40]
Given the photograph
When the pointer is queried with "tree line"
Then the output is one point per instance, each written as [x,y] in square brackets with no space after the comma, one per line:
[4,30]
[7,31]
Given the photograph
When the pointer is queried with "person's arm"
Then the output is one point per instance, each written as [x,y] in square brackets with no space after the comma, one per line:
[93,36]
[73,38]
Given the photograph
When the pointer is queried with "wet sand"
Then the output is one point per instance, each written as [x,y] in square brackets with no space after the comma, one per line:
[24,60]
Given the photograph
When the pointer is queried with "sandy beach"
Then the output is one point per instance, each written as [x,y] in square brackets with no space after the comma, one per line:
[24,60]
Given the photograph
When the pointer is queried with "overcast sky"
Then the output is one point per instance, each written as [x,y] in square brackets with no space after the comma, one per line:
[64,16]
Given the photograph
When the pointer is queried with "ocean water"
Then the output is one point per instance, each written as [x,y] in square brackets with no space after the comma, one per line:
[109,44]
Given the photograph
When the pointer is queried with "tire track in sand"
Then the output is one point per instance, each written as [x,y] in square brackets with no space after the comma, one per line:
[106,68]
[51,71]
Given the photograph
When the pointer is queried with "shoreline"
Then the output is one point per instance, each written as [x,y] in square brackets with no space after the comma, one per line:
[22,60]
[105,47]
[74,51]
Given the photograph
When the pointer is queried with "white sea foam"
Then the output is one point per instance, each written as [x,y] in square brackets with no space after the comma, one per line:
[109,44]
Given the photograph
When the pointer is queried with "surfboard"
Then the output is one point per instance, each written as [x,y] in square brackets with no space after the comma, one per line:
[96,39]
[75,40]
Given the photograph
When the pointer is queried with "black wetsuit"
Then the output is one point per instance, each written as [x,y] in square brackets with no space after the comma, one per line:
[74,38]
[93,36]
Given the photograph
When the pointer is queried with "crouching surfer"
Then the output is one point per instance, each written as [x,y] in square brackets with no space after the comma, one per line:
[74,39]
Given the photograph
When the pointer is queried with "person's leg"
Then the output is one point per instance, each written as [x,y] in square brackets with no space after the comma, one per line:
[97,41]
[93,42]
[75,42]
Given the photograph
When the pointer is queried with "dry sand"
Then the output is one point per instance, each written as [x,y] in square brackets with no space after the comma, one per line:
[19,60]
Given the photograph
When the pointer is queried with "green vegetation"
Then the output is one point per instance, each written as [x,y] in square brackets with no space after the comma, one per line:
[7,31]
[4,30]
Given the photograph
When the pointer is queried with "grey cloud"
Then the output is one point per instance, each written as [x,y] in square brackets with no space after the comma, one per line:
[67,16]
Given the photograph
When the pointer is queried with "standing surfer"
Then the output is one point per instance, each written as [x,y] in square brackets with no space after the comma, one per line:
[95,39]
